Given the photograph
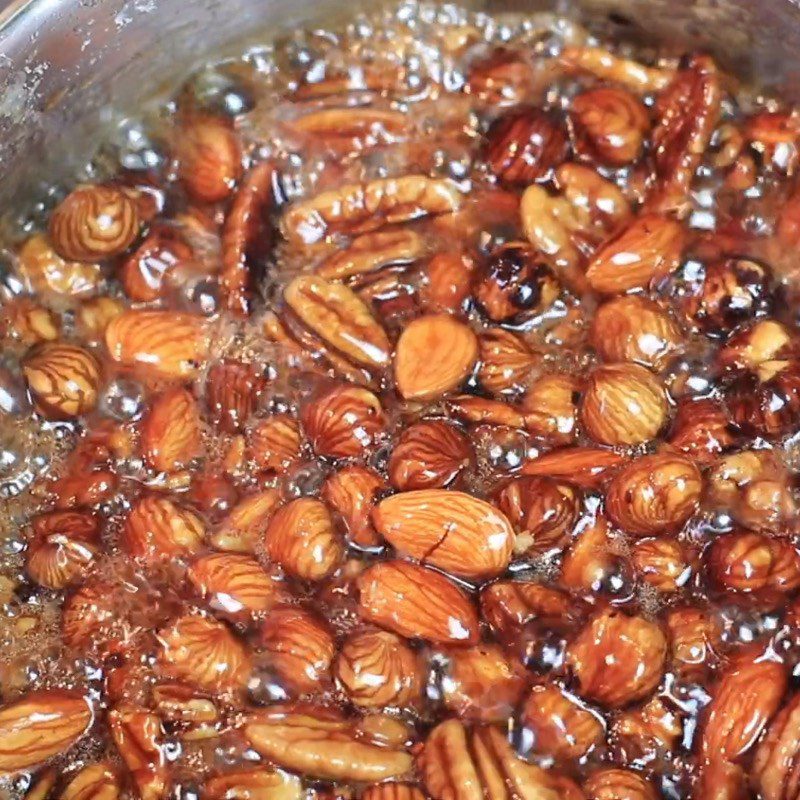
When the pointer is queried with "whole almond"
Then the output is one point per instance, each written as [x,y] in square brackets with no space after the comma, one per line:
[139,738]
[233,390]
[507,361]
[40,725]
[448,282]
[63,546]
[749,562]
[64,379]
[662,563]
[144,274]
[210,160]
[617,659]
[351,492]
[340,318]
[156,528]
[774,772]
[378,669]
[246,522]
[300,647]
[203,652]
[435,353]
[343,421]
[624,404]
[233,583]
[646,250]
[93,782]
[550,407]
[654,494]
[301,538]
[169,344]
[613,783]
[451,530]
[430,454]
[695,638]
[171,430]
[510,605]
[275,443]
[417,603]
[589,467]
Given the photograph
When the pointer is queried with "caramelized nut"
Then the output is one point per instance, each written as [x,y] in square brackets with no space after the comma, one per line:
[209,159]
[661,563]
[65,379]
[62,548]
[506,361]
[619,784]
[171,431]
[352,492]
[157,529]
[429,455]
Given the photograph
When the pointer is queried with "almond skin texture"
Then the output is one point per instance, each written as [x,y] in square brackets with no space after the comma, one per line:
[624,404]
[654,494]
[642,253]
[275,443]
[351,492]
[62,548]
[64,379]
[171,431]
[434,355]
[749,562]
[204,653]
[233,583]
[139,738]
[429,455]
[451,530]
[417,603]
[40,725]
[156,529]
[233,390]
[210,160]
[774,772]
[506,361]
[589,467]
[302,539]
[619,784]
[95,782]
[617,659]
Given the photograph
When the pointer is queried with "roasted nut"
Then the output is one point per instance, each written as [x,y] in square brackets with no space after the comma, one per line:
[619,784]
[363,207]
[435,353]
[774,765]
[169,344]
[95,315]
[617,659]
[636,329]
[661,563]
[233,583]
[561,725]
[378,669]
[314,743]
[525,145]
[39,725]
[275,443]
[343,421]
[94,782]
[642,253]
[748,562]
[157,529]
[204,653]
[701,429]
[62,548]
[502,78]
[246,522]
[340,318]
[429,455]
[91,619]
[747,695]
[588,467]
[351,492]
[759,345]
[372,252]
[417,603]
[647,732]
[695,639]
[301,538]
[139,738]
[453,531]
[507,361]
[509,605]
[448,282]
[654,494]
[27,322]
[608,125]
[145,272]
[623,404]
[766,403]
[550,406]
[233,390]
[481,410]
[209,159]
[481,683]
[300,649]
[393,791]
[542,510]
[250,784]
[171,431]
[64,379]
[44,271]
[514,282]
[94,222]
[593,562]
[606,66]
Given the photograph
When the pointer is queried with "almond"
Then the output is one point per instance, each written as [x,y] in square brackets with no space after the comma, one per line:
[363,207]
[702,429]
[617,659]
[774,772]
[233,390]
[378,669]
[749,562]
[169,344]
[510,605]
[451,530]
[144,274]
[62,548]
[507,361]
[204,653]
[94,223]
[317,745]
[561,725]
[156,528]
[343,421]
[64,379]
[351,492]
[417,603]
[430,454]
[244,526]
[747,695]
[643,252]
[337,315]
[41,724]
[247,784]
[588,467]
[139,738]
[482,410]
[654,494]
[613,783]
[44,271]
[209,159]
[550,407]
[435,353]
[624,404]
[373,252]
[90,619]
[233,583]
[661,563]
[695,639]
[648,730]
[275,443]
[94,782]
[301,538]
[448,282]
[300,647]
[171,431]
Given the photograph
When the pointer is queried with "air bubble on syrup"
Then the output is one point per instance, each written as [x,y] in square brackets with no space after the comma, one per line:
[501,448]
[123,400]
[263,687]
[14,398]
[217,90]
[306,480]
[202,296]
